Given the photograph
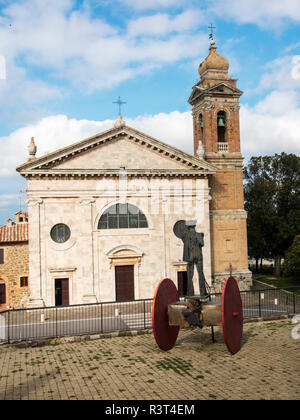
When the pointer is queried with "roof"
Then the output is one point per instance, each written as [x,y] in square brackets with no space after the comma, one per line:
[22,212]
[15,233]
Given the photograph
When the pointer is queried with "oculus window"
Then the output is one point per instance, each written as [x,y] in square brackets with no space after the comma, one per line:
[122,216]
[60,233]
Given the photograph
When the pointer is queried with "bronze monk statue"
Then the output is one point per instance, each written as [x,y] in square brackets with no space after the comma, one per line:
[192,254]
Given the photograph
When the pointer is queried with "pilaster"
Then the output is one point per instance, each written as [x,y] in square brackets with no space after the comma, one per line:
[34,219]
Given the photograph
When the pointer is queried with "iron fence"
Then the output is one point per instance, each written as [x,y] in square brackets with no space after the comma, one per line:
[59,321]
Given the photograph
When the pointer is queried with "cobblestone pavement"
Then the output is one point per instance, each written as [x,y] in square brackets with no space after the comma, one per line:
[133,368]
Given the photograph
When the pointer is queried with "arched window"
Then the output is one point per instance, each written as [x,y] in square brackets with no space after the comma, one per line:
[201,120]
[201,125]
[122,216]
[221,122]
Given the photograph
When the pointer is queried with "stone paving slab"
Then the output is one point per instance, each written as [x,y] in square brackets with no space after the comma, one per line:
[133,368]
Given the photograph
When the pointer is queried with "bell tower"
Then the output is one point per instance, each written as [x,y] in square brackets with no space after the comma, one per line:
[215,102]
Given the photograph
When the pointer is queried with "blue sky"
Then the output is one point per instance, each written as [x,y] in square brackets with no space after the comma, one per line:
[63,64]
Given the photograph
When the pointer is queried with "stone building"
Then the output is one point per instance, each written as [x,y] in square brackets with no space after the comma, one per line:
[14,262]
[102,211]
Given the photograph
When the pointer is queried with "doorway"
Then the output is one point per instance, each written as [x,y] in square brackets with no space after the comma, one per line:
[2,294]
[124,275]
[182,283]
[61,292]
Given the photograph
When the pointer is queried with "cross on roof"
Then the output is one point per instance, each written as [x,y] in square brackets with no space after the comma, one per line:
[211,27]
[120,103]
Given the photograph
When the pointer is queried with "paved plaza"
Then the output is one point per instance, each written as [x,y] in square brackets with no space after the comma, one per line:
[133,368]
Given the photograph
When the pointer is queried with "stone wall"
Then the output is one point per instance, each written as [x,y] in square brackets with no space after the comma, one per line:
[89,257]
[16,265]
[243,278]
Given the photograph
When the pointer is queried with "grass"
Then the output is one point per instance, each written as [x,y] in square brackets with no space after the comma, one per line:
[283,282]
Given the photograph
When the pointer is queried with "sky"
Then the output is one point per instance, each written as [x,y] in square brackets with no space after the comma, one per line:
[63,64]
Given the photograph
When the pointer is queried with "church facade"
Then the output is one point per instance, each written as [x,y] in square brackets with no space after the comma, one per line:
[102,211]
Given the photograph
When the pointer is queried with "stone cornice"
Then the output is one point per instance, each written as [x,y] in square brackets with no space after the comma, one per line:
[237,214]
[225,160]
[104,173]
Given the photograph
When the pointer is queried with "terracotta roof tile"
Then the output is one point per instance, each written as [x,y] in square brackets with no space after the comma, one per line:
[14,233]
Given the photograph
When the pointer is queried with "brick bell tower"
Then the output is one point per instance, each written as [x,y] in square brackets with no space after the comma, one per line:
[215,102]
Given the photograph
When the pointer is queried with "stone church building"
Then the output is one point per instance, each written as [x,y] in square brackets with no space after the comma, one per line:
[102,211]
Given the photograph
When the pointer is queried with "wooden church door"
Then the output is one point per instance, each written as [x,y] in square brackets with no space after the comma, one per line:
[124,282]
[61,292]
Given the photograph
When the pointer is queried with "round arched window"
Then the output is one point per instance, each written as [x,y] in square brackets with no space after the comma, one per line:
[122,216]
[60,233]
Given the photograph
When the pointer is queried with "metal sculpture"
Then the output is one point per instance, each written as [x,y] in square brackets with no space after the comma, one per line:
[169,314]
[192,254]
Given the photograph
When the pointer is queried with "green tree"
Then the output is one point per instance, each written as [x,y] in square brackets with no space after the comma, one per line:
[292,258]
[272,200]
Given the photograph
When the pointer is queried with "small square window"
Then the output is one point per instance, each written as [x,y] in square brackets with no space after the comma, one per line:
[1,256]
[23,281]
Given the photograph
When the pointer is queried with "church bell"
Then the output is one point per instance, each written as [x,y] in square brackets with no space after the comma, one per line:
[221,123]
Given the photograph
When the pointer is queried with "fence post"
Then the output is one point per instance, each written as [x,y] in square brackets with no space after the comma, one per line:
[56,322]
[144,314]
[259,304]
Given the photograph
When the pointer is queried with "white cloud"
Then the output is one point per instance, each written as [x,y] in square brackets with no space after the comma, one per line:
[264,130]
[272,126]
[142,5]
[51,44]
[265,13]
[278,103]
[17,87]
[162,23]
[50,133]
[175,128]
[281,73]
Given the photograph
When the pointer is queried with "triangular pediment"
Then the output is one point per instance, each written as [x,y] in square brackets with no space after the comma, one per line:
[114,149]
[223,88]
[219,89]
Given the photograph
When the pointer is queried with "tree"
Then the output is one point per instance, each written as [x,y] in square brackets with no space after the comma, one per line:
[272,200]
[292,258]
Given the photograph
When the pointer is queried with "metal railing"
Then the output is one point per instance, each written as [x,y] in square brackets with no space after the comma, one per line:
[61,321]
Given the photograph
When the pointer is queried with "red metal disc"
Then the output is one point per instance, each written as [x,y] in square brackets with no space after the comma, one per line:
[164,334]
[232,315]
